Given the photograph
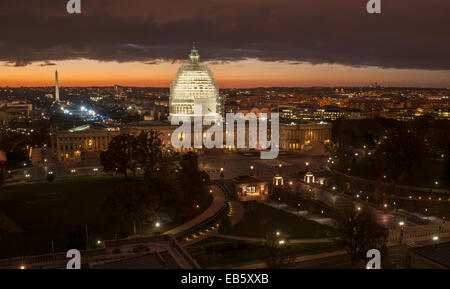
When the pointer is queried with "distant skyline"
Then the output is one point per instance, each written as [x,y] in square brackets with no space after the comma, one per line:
[247,43]
[237,74]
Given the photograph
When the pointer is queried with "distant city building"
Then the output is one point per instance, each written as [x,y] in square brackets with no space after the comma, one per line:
[194,84]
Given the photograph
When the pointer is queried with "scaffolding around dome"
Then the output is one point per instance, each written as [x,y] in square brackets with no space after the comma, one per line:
[193,85]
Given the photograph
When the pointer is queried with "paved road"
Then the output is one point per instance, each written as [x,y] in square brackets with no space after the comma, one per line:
[339,259]
[292,241]
[235,164]
[216,205]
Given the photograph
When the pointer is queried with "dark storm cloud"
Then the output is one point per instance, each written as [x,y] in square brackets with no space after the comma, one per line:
[408,33]
[47,64]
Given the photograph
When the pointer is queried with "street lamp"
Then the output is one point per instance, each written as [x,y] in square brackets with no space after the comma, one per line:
[402,230]
[298,208]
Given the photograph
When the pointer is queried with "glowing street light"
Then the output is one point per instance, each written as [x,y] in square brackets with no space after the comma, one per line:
[157,224]
[435,238]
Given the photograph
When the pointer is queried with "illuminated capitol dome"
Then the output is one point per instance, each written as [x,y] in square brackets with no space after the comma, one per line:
[194,84]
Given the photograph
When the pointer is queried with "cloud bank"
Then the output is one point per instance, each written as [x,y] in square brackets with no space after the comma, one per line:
[408,34]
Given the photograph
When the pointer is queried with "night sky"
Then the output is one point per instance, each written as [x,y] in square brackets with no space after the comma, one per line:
[247,42]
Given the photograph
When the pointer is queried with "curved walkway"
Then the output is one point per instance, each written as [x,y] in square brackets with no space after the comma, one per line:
[292,241]
[216,205]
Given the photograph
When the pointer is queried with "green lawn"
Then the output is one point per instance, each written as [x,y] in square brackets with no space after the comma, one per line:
[424,177]
[215,252]
[429,208]
[260,220]
[49,212]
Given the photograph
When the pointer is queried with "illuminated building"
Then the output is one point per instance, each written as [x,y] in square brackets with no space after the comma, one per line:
[194,84]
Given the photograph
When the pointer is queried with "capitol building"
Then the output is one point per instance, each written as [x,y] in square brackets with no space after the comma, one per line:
[193,85]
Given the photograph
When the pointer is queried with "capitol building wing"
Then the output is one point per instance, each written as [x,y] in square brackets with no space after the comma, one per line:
[194,84]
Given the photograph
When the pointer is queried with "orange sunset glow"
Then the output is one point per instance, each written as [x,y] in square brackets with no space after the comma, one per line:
[237,74]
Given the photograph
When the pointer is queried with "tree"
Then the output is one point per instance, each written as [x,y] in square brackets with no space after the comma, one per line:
[401,153]
[359,232]
[193,186]
[15,147]
[149,150]
[225,225]
[50,178]
[446,172]
[120,155]
[278,254]
[8,227]
[9,236]
[132,203]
